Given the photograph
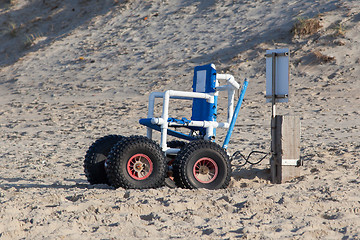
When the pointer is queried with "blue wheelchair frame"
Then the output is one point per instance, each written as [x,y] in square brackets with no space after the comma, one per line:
[204,109]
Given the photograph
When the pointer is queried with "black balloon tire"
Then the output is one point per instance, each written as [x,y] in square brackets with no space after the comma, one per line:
[190,155]
[118,162]
[94,163]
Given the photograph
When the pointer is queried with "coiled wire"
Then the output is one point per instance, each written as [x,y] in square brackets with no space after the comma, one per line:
[240,157]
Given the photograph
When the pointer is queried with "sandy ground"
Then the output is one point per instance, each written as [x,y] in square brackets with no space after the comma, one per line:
[74,71]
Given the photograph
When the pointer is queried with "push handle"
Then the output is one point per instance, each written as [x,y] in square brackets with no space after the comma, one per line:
[236,113]
[229,78]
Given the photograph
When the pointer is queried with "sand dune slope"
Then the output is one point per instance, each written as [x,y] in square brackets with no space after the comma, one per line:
[74,71]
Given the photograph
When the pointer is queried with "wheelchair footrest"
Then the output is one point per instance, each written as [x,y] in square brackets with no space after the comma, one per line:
[147,122]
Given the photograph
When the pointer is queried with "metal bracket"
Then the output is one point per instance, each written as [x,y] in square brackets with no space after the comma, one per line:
[277,54]
[278,96]
[290,162]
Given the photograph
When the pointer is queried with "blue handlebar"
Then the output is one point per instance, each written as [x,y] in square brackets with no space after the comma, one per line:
[235,115]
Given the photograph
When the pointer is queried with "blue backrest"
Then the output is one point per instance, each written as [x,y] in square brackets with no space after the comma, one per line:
[204,81]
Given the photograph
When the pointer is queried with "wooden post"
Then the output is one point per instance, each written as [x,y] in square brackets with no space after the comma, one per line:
[285,146]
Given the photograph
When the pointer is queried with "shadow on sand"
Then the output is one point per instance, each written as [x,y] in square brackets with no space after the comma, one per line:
[20,28]
[251,174]
[22,183]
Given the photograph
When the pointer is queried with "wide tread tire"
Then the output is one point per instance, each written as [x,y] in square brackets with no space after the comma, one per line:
[94,163]
[188,158]
[118,164]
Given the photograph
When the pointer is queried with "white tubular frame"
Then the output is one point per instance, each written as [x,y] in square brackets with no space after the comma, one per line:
[209,125]
[231,87]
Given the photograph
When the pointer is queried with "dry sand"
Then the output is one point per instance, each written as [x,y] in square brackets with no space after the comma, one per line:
[74,71]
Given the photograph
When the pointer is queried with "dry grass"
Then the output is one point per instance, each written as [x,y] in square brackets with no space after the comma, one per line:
[323,58]
[305,27]
[339,30]
[12,29]
[30,39]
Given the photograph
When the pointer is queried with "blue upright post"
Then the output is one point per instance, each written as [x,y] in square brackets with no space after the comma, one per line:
[236,112]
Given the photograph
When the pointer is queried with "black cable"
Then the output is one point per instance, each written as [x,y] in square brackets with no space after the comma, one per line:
[238,155]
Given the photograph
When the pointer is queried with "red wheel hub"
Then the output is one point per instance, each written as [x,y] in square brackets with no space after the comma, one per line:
[139,166]
[205,170]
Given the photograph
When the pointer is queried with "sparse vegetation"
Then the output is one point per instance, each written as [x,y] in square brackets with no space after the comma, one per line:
[305,26]
[12,29]
[339,30]
[30,39]
[323,58]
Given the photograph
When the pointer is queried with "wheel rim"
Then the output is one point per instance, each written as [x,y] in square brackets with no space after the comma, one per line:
[139,166]
[205,170]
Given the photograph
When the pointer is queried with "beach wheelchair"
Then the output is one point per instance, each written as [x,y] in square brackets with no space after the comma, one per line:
[193,161]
